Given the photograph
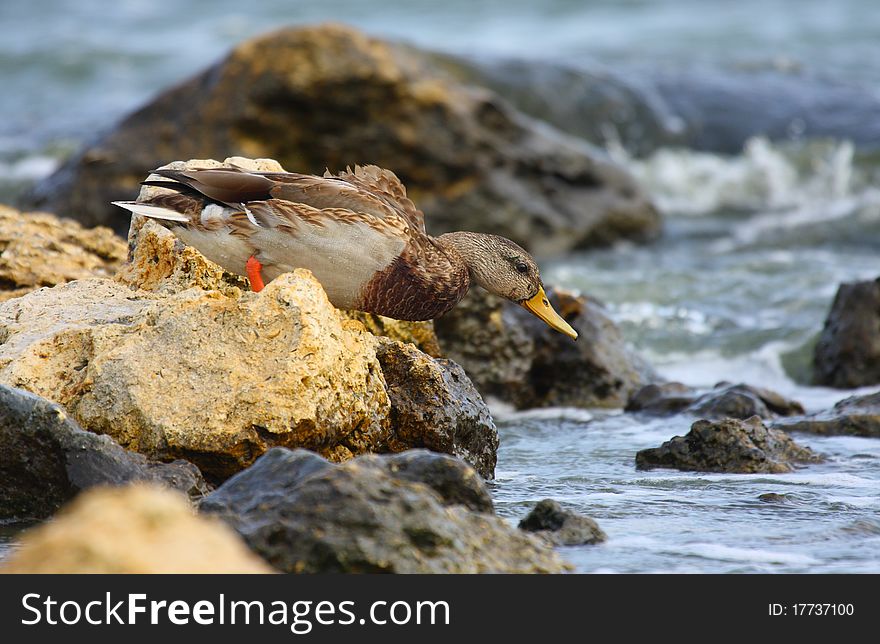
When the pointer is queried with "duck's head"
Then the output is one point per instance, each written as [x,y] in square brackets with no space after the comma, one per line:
[505,269]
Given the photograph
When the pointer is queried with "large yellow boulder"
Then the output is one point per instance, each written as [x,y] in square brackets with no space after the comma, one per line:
[201,375]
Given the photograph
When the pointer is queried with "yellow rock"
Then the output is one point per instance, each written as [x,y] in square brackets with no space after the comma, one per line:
[136,529]
[201,375]
[39,249]
[420,334]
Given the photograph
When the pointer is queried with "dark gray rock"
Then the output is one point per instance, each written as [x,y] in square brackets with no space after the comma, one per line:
[371,514]
[329,96]
[715,109]
[456,482]
[662,399]
[513,356]
[46,459]
[435,405]
[729,445]
[561,527]
[855,416]
[847,354]
[773,497]
[723,401]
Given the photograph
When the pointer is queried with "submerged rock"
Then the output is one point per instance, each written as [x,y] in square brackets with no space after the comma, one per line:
[729,445]
[561,527]
[723,401]
[854,416]
[373,514]
[138,529]
[330,96]
[46,459]
[39,249]
[513,356]
[848,351]
[773,497]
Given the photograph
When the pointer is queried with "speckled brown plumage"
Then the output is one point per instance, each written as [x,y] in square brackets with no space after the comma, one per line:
[423,283]
[357,231]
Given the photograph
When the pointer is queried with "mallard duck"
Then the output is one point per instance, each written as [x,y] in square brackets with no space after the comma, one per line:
[357,232]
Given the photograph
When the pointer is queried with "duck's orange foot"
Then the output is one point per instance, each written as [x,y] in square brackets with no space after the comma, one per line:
[253,268]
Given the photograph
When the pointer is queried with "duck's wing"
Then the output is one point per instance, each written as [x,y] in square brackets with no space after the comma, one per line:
[386,185]
[369,190]
[231,216]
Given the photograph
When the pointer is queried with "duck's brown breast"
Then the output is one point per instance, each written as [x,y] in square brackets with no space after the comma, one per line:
[422,283]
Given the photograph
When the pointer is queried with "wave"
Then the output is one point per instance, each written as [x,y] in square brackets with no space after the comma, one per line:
[766,176]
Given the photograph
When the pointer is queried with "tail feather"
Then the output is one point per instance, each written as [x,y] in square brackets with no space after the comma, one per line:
[228,186]
[153,212]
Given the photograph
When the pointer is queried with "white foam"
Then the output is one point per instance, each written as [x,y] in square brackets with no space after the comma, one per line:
[502,410]
[752,555]
[764,177]
[30,168]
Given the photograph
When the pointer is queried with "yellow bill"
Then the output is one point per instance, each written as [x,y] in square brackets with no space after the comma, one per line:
[540,307]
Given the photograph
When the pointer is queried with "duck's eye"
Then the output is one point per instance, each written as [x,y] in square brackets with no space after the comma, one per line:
[522,267]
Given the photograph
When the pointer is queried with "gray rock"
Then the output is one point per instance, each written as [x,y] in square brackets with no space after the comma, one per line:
[561,527]
[302,513]
[455,481]
[847,354]
[513,356]
[329,96]
[723,401]
[434,405]
[729,445]
[773,497]
[662,399]
[653,106]
[46,459]
[855,416]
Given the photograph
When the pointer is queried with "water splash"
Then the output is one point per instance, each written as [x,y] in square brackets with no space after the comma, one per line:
[765,177]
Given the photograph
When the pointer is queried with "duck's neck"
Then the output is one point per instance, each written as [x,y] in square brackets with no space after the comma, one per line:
[472,249]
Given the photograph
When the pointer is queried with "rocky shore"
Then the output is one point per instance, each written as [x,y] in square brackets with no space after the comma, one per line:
[172,373]
[274,433]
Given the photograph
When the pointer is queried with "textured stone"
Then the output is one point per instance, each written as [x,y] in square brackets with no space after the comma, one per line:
[137,529]
[200,375]
[456,482]
[729,445]
[330,96]
[513,356]
[848,351]
[246,370]
[419,334]
[855,416]
[561,527]
[723,401]
[304,514]
[39,249]
[46,459]
[435,405]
